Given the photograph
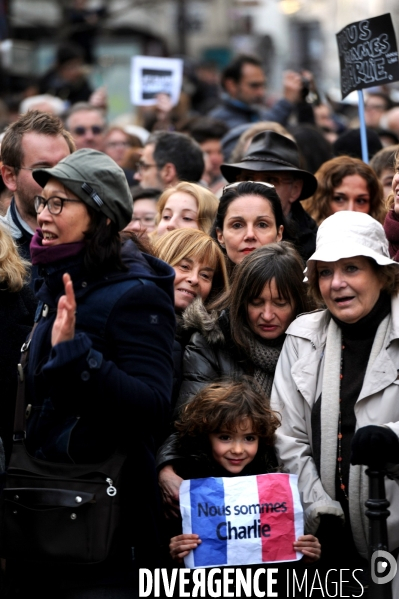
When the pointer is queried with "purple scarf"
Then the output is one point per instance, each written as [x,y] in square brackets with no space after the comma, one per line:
[391,227]
[53,253]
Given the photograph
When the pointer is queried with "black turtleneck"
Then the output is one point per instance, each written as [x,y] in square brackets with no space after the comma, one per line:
[357,341]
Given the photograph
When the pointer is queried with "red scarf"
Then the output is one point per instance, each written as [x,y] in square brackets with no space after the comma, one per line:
[391,227]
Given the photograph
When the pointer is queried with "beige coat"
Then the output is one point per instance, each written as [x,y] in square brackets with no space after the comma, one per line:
[298,384]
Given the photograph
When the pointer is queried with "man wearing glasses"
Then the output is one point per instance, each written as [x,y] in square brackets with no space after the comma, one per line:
[168,158]
[244,87]
[87,126]
[273,158]
[35,140]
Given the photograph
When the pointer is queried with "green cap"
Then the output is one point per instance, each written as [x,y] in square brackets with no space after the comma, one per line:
[95,179]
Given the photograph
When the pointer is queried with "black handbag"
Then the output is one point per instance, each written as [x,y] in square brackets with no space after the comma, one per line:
[55,512]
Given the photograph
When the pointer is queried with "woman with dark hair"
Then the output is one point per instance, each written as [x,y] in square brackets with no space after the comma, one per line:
[100,362]
[242,334]
[346,183]
[249,216]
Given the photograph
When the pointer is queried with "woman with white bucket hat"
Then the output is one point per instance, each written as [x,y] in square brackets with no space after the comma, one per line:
[336,388]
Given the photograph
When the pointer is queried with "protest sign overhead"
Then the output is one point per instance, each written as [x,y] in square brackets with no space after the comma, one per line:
[368,54]
[151,75]
[242,520]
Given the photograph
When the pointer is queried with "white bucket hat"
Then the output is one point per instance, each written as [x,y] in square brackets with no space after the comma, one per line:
[346,234]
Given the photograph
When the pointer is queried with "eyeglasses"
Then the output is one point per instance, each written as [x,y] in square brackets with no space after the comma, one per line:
[54,204]
[237,183]
[142,166]
[95,129]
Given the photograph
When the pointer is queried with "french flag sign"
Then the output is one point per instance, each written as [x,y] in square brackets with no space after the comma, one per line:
[242,520]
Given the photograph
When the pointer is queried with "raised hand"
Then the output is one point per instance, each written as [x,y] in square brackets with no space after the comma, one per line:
[64,324]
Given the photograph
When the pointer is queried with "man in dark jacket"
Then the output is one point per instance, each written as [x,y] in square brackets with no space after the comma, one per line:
[244,85]
[273,158]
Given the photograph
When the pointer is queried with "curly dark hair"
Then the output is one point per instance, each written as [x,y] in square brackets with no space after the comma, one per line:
[330,175]
[224,405]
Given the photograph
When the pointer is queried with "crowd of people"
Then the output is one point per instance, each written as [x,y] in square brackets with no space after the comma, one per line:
[210,296]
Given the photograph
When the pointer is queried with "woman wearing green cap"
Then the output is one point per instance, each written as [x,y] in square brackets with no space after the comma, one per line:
[99,375]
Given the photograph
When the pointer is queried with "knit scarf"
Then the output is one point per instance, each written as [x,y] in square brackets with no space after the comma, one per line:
[53,253]
[264,357]
[358,484]
[391,227]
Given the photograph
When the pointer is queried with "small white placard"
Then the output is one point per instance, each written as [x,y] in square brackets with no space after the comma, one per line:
[151,76]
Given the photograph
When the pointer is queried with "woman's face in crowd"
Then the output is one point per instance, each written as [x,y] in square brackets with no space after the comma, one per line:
[395,189]
[249,224]
[235,450]
[350,287]
[352,194]
[269,315]
[70,225]
[143,218]
[192,279]
[386,180]
[180,212]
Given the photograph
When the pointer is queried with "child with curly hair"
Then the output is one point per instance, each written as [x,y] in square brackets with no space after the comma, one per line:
[227,430]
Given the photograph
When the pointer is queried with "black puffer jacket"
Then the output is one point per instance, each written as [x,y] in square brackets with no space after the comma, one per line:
[210,354]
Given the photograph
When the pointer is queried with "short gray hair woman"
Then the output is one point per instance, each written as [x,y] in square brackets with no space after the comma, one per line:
[337,374]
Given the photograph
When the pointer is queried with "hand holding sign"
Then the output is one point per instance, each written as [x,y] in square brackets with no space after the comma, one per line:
[181,546]
[244,520]
[309,546]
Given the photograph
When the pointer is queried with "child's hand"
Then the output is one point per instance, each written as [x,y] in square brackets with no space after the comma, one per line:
[309,546]
[181,545]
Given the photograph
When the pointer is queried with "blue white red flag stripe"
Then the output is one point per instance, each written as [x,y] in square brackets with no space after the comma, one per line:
[242,520]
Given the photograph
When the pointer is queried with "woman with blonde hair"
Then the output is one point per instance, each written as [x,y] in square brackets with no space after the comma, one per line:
[186,206]
[197,258]
[200,273]
[17,309]
[346,183]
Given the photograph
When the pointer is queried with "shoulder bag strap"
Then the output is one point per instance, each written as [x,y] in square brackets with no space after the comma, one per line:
[20,406]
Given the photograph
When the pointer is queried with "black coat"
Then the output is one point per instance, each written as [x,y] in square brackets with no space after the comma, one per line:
[17,311]
[111,384]
[210,354]
[304,229]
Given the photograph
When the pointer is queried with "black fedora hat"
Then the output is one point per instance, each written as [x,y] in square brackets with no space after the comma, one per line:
[270,151]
